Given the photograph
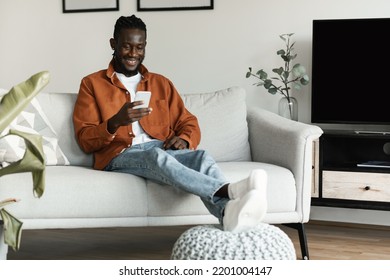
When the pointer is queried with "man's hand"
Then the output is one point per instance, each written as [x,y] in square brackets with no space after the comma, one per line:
[127,115]
[175,143]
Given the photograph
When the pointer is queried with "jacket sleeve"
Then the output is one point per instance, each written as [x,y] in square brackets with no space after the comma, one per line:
[90,130]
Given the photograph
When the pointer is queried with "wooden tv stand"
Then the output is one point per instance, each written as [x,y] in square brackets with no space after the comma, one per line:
[341,179]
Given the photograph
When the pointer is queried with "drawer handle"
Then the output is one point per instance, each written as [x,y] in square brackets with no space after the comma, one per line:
[367,188]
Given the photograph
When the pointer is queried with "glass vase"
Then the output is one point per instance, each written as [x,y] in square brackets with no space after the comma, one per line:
[288,108]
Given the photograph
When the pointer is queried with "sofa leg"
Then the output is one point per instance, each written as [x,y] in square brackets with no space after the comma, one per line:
[3,246]
[302,238]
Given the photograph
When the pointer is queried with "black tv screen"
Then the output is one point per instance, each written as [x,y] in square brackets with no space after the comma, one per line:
[351,71]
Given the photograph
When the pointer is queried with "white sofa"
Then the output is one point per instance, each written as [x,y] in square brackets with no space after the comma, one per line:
[240,140]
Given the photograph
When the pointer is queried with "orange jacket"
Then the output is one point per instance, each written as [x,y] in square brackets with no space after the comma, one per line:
[101,95]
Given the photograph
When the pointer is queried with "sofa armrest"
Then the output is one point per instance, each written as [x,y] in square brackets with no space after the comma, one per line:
[283,142]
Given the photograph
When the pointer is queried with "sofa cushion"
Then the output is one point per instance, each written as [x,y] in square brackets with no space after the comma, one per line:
[74,192]
[222,120]
[225,138]
[164,200]
[281,197]
[61,119]
[31,120]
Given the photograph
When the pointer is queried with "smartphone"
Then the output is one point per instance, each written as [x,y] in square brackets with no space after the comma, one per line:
[142,96]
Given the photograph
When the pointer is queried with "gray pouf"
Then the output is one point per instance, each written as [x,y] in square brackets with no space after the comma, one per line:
[264,242]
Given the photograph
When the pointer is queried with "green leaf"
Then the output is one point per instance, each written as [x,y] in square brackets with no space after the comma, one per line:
[281,52]
[248,74]
[284,37]
[285,58]
[267,84]
[298,70]
[12,229]
[20,96]
[278,71]
[304,80]
[32,161]
[273,90]
[263,75]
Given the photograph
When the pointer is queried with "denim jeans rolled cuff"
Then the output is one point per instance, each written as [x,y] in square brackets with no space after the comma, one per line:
[193,171]
[216,208]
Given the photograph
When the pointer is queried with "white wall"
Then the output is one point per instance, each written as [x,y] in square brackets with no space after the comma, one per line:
[199,51]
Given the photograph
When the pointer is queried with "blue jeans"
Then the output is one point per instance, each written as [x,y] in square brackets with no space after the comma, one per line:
[193,171]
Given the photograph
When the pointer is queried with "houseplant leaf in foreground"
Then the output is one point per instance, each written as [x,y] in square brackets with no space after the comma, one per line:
[12,229]
[20,96]
[33,159]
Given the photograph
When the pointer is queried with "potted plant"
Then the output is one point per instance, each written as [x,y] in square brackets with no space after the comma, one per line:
[288,77]
[33,160]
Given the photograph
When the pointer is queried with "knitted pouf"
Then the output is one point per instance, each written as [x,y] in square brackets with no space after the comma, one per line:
[264,242]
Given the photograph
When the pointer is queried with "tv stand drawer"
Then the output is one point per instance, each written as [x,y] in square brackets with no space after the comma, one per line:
[356,186]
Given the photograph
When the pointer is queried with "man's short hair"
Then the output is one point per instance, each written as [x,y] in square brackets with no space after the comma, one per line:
[128,22]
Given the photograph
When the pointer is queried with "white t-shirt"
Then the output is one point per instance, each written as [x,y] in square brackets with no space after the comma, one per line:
[131,83]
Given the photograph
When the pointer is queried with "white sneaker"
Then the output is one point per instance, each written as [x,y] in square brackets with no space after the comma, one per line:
[248,204]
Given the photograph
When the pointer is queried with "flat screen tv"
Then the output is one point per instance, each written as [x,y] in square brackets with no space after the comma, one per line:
[351,71]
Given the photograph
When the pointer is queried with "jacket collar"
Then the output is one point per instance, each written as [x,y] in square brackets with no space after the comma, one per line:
[114,79]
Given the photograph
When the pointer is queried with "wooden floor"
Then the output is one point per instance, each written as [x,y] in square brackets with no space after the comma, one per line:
[327,241]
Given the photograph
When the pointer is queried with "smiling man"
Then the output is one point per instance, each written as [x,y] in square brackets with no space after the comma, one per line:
[157,142]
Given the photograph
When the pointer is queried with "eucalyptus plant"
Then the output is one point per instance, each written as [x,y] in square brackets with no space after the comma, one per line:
[287,76]
[33,160]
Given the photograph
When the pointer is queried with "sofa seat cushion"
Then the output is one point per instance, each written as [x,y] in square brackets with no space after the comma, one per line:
[164,200]
[76,192]
[281,197]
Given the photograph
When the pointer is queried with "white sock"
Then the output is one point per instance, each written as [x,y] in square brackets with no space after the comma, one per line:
[257,180]
[248,206]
